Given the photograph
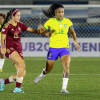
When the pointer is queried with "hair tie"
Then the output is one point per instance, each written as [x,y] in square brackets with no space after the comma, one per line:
[14,11]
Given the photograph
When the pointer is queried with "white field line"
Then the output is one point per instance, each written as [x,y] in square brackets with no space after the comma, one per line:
[77,74]
[71,74]
[73,59]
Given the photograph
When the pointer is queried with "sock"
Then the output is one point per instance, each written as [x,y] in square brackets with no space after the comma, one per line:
[9,80]
[65,83]
[1,63]
[19,82]
[42,75]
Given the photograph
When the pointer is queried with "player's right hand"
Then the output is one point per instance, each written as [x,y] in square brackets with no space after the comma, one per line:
[3,50]
[40,27]
[77,46]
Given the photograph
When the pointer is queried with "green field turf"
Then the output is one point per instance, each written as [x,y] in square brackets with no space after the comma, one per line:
[84,82]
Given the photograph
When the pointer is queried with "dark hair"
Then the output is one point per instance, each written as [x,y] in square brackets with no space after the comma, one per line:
[51,11]
[3,15]
[9,14]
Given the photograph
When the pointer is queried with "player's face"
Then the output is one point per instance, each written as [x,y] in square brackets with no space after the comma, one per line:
[16,18]
[1,20]
[59,13]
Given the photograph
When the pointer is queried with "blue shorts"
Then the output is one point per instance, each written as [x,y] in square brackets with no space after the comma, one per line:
[54,53]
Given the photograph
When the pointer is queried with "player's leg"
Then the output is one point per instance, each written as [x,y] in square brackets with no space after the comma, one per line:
[49,66]
[65,61]
[51,58]
[20,67]
[1,60]
[11,79]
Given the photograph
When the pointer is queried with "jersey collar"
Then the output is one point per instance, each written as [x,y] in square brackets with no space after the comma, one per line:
[12,23]
[58,20]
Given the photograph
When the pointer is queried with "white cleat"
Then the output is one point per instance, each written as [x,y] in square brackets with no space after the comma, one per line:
[64,91]
[38,78]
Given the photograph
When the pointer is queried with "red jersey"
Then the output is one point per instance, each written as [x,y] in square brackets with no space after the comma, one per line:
[13,34]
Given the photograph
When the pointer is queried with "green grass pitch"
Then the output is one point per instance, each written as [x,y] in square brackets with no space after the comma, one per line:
[84,81]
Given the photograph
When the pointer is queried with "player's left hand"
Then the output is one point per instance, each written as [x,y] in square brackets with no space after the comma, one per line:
[77,46]
[3,50]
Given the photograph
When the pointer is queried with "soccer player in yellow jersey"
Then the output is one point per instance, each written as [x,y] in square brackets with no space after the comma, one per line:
[2,18]
[59,43]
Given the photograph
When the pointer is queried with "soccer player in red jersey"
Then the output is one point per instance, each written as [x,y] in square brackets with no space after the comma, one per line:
[2,18]
[12,48]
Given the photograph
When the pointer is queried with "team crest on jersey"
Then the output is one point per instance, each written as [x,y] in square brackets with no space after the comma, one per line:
[12,29]
[65,25]
[60,25]
[19,28]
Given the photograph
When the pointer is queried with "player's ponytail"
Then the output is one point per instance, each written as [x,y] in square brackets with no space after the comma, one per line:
[11,12]
[51,11]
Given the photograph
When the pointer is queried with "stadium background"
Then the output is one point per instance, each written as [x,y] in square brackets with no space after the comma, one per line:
[84,14]
[84,83]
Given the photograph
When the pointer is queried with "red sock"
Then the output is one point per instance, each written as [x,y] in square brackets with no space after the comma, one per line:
[7,81]
[18,85]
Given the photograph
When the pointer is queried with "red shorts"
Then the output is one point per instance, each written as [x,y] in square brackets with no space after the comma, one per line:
[10,50]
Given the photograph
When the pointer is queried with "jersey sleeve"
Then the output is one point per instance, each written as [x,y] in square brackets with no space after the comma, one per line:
[4,30]
[47,24]
[70,24]
[24,27]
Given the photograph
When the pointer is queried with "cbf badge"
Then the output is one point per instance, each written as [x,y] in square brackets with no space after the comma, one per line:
[65,25]
[12,29]
[60,25]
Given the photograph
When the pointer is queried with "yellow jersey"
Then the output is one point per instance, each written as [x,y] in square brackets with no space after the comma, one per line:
[0,32]
[59,30]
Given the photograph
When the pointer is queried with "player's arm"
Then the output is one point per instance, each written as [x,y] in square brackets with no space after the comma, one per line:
[41,28]
[32,30]
[74,38]
[38,31]
[3,44]
[45,27]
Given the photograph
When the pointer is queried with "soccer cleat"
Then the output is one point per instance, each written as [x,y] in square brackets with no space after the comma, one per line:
[38,78]
[18,90]
[2,84]
[0,70]
[64,91]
